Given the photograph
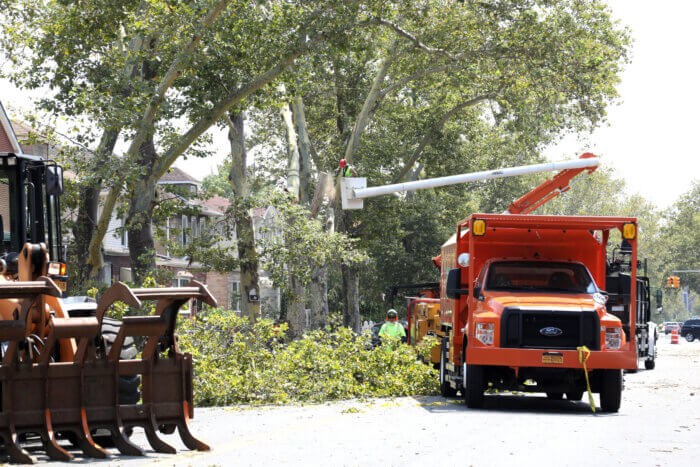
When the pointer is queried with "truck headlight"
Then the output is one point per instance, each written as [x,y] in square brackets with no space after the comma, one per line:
[613,338]
[484,333]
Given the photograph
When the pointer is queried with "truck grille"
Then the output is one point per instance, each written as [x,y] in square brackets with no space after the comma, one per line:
[550,329]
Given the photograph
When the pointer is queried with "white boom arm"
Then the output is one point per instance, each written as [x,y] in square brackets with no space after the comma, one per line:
[354,190]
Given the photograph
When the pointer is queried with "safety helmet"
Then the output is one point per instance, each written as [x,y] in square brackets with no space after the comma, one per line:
[342,163]
[392,314]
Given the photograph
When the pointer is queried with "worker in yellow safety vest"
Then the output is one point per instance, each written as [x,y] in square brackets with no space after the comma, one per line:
[392,327]
[345,170]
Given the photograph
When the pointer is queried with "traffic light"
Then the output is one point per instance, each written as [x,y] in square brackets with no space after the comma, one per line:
[669,282]
[676,282]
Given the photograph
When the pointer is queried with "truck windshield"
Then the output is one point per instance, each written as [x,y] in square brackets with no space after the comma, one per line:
[7,200]
[540,276]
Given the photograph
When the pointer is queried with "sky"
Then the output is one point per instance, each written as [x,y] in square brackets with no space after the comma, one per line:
[650,136]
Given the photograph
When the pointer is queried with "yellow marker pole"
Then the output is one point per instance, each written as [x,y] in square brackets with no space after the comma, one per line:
[583,354]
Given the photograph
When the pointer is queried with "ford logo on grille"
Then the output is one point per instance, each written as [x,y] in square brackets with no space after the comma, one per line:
[551,331]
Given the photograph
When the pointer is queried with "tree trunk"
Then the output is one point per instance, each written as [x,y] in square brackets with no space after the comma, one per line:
[139,220]
[82,233]
[351,282]
[296,312]
[247,252]
[87,213]
[318,285]
[318,297]
[293,184]
[304,148]
[351,289]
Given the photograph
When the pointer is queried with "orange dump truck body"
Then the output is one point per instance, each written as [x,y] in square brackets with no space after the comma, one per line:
[517,322]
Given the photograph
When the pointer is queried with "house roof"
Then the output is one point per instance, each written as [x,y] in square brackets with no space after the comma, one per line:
[8,138]
[175,175]
[217,203]
[21,130]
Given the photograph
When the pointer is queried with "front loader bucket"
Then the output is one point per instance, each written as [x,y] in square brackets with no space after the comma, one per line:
[166,373]
[42,396]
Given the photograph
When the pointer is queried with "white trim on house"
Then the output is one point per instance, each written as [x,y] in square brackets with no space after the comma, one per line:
[181,182]
[7,126]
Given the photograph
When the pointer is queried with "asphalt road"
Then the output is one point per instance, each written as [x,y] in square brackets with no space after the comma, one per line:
[658,424]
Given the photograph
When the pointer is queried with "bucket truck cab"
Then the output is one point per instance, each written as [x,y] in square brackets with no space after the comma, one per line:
[523,304]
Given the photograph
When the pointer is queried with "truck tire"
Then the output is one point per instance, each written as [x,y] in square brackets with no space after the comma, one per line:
[555,396]
[574,395]
[650,364]
[474,392]
[128,385]
[611,390]
[445,389]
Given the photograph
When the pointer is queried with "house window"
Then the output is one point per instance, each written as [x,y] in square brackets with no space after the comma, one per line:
[185,226]
[195,227]
[180,282]
[167,236]
[187,308]
[123,235]
[235,296]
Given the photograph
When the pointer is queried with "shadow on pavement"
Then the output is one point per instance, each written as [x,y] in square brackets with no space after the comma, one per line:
[511,403]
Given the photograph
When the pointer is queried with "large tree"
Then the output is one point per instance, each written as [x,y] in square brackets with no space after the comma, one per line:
[450,88]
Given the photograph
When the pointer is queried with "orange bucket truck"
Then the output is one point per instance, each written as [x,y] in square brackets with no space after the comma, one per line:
[523,307]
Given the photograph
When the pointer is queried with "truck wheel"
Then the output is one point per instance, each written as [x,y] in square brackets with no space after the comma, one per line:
[650,364]
[574,395]
[474,392]
[445,389]
[611,390]
[555,396]
[690,337]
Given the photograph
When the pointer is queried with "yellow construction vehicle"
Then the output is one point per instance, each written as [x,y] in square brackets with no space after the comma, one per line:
[78,376]
[424,320]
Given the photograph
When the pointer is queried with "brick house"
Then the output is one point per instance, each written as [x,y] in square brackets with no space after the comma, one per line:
[225,287]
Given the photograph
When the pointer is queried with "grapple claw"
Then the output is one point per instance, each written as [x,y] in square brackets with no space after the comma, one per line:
[122,443]
[47,397]
[88,445]
[190,441]
[154,440]
[16,453]
[53,450]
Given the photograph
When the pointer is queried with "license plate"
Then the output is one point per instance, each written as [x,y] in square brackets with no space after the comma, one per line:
[61,285]
[552,358]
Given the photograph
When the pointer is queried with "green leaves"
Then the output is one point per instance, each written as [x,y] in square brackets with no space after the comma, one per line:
[238,362]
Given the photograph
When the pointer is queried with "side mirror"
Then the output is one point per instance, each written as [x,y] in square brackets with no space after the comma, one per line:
[453,288]
[476,291]
[54,180]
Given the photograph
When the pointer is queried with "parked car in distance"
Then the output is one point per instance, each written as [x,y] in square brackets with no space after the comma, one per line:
[670,326]
[691,330]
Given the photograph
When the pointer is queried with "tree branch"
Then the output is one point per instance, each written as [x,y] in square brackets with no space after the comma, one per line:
[169,78]
[372,96]
[428,137]
[180,146]
[408,79]
[417,42]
